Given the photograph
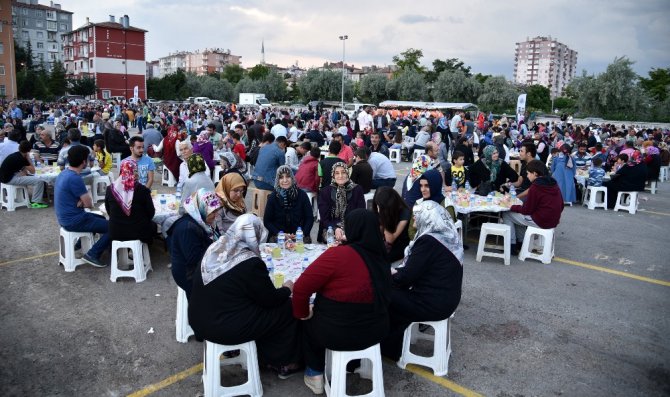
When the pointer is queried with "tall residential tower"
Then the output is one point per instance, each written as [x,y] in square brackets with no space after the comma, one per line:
[544,61]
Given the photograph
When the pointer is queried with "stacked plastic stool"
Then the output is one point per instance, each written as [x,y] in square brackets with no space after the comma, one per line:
[626,201]
[12,197]
[141,260]
[592,197]
[211,371]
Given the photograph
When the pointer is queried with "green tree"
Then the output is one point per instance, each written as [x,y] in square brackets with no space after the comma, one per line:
[481,78]
[169,87]
[214,88]
[409,60]
[657,84]
[456,86]
[84,86]
[273,86]
[233,73]
[565,104]
[258,72]
[373,87]
[538,97]
[324,85]
[451,64]
[409,85]
[246,85]
[57,83]
[498,95]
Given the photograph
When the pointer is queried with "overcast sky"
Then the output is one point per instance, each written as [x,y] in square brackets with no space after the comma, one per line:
[481,33]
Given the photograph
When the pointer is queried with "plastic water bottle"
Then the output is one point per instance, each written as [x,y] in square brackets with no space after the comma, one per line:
[270,266]
[454,186]
[472,200]
[299,241]
[178,194]
[305,263]
[281,240]
[467,186]
[512,193]
[330,236]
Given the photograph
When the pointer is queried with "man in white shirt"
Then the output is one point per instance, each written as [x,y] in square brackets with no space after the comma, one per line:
[364,118]
[278,130]
[454,125]
[10,145]
[383,173]
[292,131]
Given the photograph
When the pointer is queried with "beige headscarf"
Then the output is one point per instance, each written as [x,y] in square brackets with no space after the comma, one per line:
[229,182]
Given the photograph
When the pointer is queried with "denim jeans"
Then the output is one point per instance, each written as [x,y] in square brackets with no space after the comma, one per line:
[94,224]
[377,183]
[263,185]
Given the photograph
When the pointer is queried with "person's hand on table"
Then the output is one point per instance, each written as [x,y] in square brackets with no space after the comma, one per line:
[311,313]
[288,284]
[339,235]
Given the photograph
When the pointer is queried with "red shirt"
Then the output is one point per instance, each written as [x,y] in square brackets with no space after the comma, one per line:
[338,274]
[240,150]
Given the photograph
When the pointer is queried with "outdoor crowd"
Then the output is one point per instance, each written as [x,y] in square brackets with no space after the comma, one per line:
[291,156]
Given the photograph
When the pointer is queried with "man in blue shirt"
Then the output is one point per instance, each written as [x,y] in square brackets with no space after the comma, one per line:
[145,164]
[14,111]
[70,199]
[270,157]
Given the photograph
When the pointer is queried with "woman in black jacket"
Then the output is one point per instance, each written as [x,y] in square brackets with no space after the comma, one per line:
[115,141]
[130,207]
[288,208]
[632,177]
[490,168]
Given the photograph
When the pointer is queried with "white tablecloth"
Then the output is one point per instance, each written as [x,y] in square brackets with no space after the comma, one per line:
[462,203]
[162,212]
[291,262]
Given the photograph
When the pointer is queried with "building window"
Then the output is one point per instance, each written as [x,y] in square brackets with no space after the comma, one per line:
[25,33]
[2,70]
[40,45]
[52,25]
[39,24]
[63,17]
[90,63]
[2,48]
[24,11]
[39,13]
[106,94]
[63,27]
[40,35]
[25,22]
[3,91]
[51,15]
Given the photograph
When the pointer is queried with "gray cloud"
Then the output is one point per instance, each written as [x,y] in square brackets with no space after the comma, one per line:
[413,18]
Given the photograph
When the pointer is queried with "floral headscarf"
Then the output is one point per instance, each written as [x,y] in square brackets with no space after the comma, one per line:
[421,165]
[231,160]
[340,192]
[287,197]
[432,219]
[653,150]
[200,205]
[635,158]
[203,137]
[195,163]
[240,242]
[493,166]
[123,188]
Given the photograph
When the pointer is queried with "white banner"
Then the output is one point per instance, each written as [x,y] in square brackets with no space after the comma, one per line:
[520,107]
[136,94]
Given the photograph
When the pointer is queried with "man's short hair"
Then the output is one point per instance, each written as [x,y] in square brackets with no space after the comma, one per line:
[597,161]
[14,135]
[25,146]
[530,148]
[334,147]
[136,138]
[211,125]
[582,144]
[235,135]
[314,151]
[74,134]
[282,140]
[240,127]
[306,145]
[77,154]
[268,137]
[362,154]
[537,167]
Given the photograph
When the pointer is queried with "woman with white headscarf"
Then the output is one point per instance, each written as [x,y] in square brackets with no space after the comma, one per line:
[428,285]
[233,300]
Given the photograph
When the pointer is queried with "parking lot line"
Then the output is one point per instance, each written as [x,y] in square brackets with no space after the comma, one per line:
[455,387]
[167,381]
[654,212]
[29,258]
[615,272]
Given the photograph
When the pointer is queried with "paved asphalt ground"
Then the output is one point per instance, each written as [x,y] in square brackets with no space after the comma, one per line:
[592,323]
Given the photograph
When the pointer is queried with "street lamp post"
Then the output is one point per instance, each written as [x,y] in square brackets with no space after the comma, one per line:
[343,38]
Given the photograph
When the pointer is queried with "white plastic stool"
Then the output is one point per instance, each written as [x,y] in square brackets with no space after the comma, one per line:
[335,376]
[315,208]
[368,199]
[66,243]
[394,155]
[211,371]
[141,260]
[652,186]
[98,181]
[13,196]
[547,244]
[168,179]
[215,175]
[439,361]
[591,197]
[182,327]
[116,160]
[626,201]
[459,227]
[417,153]
[497,229]
[663,176]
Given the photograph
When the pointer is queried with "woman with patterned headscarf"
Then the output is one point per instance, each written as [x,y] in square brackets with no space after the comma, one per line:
[203,146]
[234,301]
[428,286]
[197,177]
[189,237]
[231,190]
[489,173]
[129,206]
[336,200]
[232,162]
[288,208]
[410,189]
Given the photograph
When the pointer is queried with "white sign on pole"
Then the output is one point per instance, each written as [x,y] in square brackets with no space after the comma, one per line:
[520,107]
[136,92]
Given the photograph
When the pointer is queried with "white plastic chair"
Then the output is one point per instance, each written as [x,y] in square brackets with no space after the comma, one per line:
[626,201]
[66,243]
[394,155]
[182,327]
[591,197]
[168,179]
[13,196]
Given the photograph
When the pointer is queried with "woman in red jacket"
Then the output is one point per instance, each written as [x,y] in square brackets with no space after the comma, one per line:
[542,208]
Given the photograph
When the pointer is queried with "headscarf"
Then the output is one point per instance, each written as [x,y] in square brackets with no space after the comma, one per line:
[287,197]
[231,160]
[239,243]
[437,138]
[442,123]
[635,158]
[229,182]
[340,191]
[566,150]
[653,150]
[195,163]
[203,137]
[493,166]
[364,236]
[123,188]
[435,184]
[199,205]
[421,165]
[433,220]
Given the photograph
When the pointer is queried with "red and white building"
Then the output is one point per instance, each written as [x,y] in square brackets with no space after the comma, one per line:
[111,52]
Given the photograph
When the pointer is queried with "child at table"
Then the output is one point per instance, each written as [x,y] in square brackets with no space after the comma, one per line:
[456,172]
[103,156]
[596,173]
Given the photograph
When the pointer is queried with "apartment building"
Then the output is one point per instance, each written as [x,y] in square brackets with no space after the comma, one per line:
[7,66]
[544,61]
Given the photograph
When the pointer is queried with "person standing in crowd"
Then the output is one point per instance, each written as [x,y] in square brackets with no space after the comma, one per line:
[394,217]
[270,157]
[307,176]
[152,137]
[563,171]
[326,165]
[361,172]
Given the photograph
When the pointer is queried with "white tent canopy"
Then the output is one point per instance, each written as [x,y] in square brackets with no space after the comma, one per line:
[429,105]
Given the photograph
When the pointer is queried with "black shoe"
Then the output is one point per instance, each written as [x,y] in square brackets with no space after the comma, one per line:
[93,261]
[287,371]
[516,248]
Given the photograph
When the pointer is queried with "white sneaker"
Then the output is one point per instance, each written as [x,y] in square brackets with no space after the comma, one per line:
[315,383]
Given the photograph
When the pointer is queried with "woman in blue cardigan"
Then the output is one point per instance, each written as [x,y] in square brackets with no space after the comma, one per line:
[288,208]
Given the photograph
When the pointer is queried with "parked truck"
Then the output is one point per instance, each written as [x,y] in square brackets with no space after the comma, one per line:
[247,98]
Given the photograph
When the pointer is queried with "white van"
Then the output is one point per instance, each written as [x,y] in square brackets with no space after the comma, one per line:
[200,100]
